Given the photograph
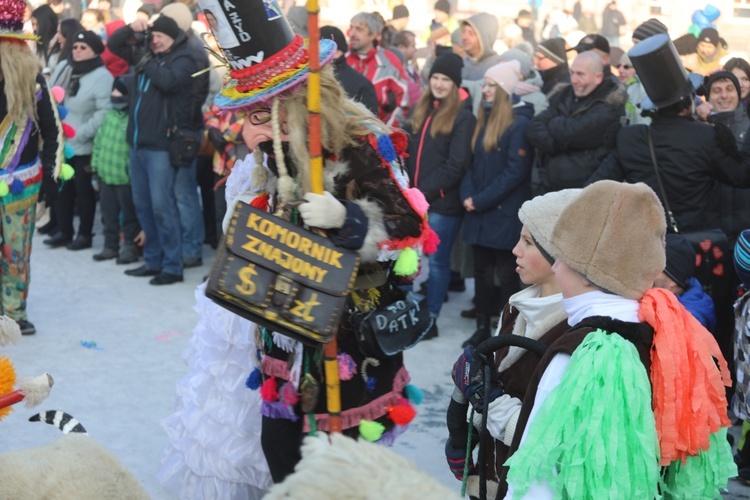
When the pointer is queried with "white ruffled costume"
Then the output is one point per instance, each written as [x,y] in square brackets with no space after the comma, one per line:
[214,448]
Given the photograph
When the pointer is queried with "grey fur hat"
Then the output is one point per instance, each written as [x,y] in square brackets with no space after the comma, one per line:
[540,214]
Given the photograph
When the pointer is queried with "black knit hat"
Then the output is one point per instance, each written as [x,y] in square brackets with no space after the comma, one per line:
[91,39]
[400,12]
[709,35]
[335,34]
[450,65]
[553,49]
[709,80]
[649,28]
[443,6]
[166,25]
[680,259]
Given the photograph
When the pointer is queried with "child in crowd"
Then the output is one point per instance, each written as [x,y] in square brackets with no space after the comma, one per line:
[110,161]
[741,401]
[535,312]
[678,278]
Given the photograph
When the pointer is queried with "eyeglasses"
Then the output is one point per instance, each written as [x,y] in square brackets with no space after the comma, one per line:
[624,66]
[80,46]
[260,116]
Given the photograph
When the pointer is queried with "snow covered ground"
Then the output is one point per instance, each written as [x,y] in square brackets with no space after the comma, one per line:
[123,387]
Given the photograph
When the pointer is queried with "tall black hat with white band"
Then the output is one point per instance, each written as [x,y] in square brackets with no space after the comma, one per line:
[661,72]
[265,57]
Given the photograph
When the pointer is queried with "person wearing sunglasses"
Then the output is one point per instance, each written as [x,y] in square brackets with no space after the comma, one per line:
[635,90]
[87,85]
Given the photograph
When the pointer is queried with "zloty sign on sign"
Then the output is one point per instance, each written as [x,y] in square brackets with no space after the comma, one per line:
[282,276]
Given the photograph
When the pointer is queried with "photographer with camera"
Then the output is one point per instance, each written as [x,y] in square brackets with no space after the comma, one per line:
[160,108]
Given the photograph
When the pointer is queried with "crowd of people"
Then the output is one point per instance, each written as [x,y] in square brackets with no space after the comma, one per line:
[553,164]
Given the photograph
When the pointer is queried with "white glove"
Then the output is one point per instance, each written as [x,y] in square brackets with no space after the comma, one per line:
[502,416]
[323,211]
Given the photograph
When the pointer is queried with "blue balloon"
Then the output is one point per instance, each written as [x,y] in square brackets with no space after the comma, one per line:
[711,12]
[700,20]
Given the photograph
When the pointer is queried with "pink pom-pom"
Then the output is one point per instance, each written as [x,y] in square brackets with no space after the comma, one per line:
[417,200]
[289,395]
[69,131]
[347,366]
[269,390]
[431,242]
[58,93]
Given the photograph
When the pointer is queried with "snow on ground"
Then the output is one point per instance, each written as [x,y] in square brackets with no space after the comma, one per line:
[121,389]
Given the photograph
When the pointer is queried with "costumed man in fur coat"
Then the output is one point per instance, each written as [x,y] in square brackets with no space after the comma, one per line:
[367,207]
[27,114]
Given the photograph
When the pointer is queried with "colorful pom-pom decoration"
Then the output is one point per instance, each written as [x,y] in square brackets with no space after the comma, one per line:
[371,431]
[386,149]
[69,131]
[260,202]
[269,390]
[402,414]
[288,394]
[67,172]
[254,380]
[4,189]
[69,152]
[58,93]
[417,200]
[347,366]
[414,394]
[62,111]
[407,262]
[431,243]
[17,186]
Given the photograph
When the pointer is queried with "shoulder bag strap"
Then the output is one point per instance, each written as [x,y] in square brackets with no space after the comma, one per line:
[672,221]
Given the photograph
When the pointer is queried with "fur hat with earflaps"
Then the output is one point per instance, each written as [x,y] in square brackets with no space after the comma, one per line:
[265,57]
[613,234]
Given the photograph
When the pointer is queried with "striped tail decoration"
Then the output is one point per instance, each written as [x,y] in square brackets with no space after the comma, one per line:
[63,421]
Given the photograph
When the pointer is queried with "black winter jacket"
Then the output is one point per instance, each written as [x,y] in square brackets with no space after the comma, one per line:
[437,164]
[163,85]
[689,161]
[573,135]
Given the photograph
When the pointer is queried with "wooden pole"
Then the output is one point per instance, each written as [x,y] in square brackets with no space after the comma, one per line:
[330,350]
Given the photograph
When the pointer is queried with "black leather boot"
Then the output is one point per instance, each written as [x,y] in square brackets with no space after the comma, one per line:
[482,333]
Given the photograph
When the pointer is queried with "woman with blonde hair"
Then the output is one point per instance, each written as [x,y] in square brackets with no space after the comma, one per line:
[28,117]
[440,127]
[497,183]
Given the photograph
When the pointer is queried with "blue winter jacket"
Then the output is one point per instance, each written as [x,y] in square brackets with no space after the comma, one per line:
[699,304]
[498,183]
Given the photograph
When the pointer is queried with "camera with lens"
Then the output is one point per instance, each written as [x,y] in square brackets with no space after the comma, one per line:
[142,37]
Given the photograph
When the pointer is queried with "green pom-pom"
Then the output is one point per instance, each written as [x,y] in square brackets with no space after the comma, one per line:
[371,431]
[4,189]
[414,394]
[67,172]
[407,262]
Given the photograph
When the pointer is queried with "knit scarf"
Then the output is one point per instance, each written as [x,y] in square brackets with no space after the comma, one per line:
[79,69]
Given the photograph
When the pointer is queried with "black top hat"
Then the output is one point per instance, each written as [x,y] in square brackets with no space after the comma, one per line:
[661,72]
[265,56]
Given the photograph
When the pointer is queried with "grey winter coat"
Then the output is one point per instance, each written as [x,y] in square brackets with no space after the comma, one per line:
[87,108]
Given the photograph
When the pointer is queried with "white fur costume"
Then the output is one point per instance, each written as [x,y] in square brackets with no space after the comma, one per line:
[214,446]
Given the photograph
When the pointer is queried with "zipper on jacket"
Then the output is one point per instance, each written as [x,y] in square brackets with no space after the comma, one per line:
[419,150]
[141,90]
